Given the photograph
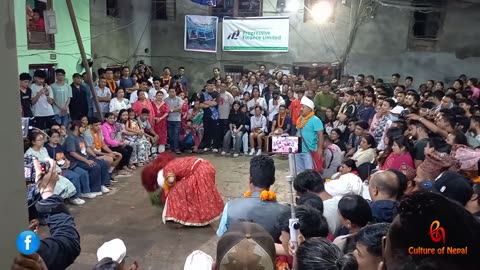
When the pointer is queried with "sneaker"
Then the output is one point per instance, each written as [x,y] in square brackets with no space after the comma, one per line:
[235,155]
[105,189]
[206,149]
[122,175]
[97,193]
[90,195]
[252,152]
[245,153]
[77,201]
[259,152]
[223,153]
[215,150]
[113,180]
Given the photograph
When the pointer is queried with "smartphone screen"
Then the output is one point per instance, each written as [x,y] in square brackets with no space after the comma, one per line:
[285,144]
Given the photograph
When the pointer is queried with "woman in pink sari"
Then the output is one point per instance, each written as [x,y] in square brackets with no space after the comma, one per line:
[160,111]
[398,157]
[143,103]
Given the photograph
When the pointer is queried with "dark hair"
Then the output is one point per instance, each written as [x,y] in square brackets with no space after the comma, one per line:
[145,110]
[211,81]
[74,124]
[120,114]
[402,141]
[312,222]
[337,130]
[94,120]
[309,181]
[427,105]
[351,164]
[107,264]
[318,254]
[362,124]
[463,123]
[356,209]
[262,171]
[371,237]
[439,144]
[460,82]
[374,98]
[110,114]
[415,96]
[40,74]
[450,118]
[370,140]
[411,228]
[33,135]
[52,131]
[438,94]
[409,78]
[25,77]
[312,200]
[391,134]
[460,137]
[390,102]
[396,75]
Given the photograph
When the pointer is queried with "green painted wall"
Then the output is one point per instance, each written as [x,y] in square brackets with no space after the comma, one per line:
[66,48]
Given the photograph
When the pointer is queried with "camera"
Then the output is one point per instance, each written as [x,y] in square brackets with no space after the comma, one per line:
[29,168]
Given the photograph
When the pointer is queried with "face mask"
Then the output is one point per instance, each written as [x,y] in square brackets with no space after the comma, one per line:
[393,118]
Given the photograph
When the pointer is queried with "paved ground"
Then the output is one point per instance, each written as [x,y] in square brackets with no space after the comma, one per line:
[127,214]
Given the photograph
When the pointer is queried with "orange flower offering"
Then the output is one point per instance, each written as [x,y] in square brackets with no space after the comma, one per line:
[265,195]
[302,121]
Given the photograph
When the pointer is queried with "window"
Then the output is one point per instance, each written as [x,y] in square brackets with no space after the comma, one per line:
[164,9]
[426,25]
[235,72]
[112,8]
[237,8]
[37,38]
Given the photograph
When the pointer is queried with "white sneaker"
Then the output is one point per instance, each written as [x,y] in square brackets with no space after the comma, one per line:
[206,149]
[235,155]
[99,193]
[259,152]
[215,150]
[77,201]
[105,189]
[90,195]
[252,152]
[223,153]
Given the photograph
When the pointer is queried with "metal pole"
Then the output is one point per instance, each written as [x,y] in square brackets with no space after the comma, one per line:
[83,55]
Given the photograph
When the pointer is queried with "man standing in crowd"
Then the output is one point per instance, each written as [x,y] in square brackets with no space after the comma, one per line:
[182,78]
[42,100]
[79,101]
[25,95]
[224,106]
[310,129]
[110,81]
[127,82]
[324,100]
[62,93]
[85,86]
[174,119]
[208,102]
[104,96]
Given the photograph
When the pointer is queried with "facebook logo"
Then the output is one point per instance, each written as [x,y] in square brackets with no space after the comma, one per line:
[28,242]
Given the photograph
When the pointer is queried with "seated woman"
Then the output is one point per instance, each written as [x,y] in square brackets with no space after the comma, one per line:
[346,181]
[113,140]
[86,159]
[129,137]
[119,102]
[437,160]
[64,186]
[79,177]
[367,152]
[236,123]
[258,127]
[397,156]
[140,138]
[186,186]
[95,141]
[355,213]
[467,157]
[336,137]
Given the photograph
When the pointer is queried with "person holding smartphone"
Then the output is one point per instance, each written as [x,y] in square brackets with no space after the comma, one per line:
[42,100]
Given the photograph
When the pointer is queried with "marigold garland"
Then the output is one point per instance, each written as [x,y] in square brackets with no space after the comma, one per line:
[265,195]
[302,121]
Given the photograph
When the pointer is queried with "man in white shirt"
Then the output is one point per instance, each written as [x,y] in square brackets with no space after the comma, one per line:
[152,92]
[42,100]
[63,93]
[103,96]
[143,86]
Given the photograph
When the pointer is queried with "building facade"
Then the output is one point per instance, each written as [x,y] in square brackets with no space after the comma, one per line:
[37,49]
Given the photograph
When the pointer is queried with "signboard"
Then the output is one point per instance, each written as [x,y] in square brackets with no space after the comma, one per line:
[200,33]
[255,34]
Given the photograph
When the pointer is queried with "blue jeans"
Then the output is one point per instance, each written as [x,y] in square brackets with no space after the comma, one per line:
[79,178]
[173,130]
[98,174]
[303,161]
[63,120]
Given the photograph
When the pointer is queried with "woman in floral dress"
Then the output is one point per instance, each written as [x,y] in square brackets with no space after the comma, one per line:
[195,114]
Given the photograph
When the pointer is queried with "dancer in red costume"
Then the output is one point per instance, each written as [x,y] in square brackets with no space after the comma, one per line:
[186,186]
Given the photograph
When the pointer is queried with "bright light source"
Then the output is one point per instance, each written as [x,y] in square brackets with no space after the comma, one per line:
[292,6]
[322,11]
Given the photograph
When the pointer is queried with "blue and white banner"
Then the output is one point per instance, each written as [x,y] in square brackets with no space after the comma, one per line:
[200,33]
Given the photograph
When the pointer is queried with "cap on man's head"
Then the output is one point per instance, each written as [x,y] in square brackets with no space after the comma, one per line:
[397,109]
[307,102]
[454,186]
[246,246]
[114,249]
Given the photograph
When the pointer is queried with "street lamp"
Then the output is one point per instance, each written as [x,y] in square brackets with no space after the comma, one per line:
[322,11]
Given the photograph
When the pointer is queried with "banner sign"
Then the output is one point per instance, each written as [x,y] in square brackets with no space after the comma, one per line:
[200,33]
[255,34]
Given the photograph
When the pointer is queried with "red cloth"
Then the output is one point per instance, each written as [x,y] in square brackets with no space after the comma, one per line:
[138,106]
[193,200]
[160,128]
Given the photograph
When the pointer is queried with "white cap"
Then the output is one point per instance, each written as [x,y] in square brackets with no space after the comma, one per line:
[198,260]
[397,110]
[114,249]
[307,102]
